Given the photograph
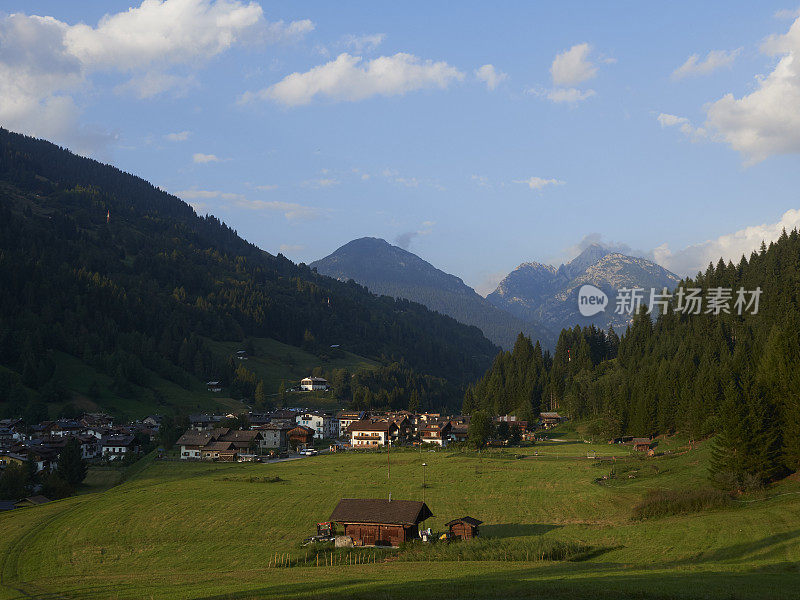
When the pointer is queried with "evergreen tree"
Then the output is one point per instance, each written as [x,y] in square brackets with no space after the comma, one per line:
[72,467]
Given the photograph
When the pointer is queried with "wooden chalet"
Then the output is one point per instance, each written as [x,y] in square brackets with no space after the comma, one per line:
[301,436]
[376,522]
[464,528]
[550,419]
[641,444]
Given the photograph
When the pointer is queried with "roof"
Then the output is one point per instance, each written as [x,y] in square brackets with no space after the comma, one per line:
[218,446]
[314,379]
[118,439]
[34,500]
[637,441]
[374,510]
[469,520]
[303,428]
[195,438]
[550,415]
[369,426]
[239,435]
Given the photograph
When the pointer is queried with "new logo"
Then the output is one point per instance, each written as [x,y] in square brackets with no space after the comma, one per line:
[591,300]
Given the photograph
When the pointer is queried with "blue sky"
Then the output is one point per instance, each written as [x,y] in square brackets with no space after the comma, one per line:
[591,121]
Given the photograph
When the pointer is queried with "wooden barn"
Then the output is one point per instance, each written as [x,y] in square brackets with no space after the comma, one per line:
[464,528]
[641,444]
[374,522]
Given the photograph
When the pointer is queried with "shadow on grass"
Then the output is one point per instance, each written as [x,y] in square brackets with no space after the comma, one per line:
[573,582]
[506,530]
[762,548]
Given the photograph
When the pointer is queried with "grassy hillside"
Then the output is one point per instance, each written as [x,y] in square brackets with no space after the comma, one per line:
[212,530]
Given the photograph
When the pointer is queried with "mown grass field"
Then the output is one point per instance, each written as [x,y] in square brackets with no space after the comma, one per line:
[203,530]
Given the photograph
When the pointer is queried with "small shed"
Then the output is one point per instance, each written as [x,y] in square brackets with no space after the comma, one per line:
[464,528]
[641,444]
[377,522]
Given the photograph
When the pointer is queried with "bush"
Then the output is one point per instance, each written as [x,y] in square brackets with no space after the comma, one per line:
[662,503]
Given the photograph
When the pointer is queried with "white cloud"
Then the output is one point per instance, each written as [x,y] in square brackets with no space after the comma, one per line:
[537,183]
[202,159]
[490,76]
[787,13]
[694,258]
[363,43]
[291,210]
[349,79]
[46,63]
[568,95]
[195,194]
[682,123]
[573,66]
[765,122]
[325,182]
[714,60]
[178,136]
[404,239]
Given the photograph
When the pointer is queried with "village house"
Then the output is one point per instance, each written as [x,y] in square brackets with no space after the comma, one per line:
[63,427]
[204,422]
[118,446]
[250,439]
[378,522]
[346,417]
[221,451]
[11,458]
[6,438]
[301,436]
[435,432]
[642,444]
[32,501]
[275,434]
[369,433]
[309,384]
[214,386]
[324,425]
[459,431]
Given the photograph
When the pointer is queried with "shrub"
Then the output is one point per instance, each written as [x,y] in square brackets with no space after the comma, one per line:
[662,503]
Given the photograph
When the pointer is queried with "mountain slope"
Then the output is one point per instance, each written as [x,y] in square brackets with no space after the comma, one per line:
[550,296]
[141,292]
[391,271]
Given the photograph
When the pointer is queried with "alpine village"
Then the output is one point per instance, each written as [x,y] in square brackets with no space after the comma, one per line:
[188,413]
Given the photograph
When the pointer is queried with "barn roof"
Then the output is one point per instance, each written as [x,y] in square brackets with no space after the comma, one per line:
[469,520]
[373,510]
[637,441]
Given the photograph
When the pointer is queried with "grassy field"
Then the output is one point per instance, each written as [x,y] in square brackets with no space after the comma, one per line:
[204,530]
[275,362]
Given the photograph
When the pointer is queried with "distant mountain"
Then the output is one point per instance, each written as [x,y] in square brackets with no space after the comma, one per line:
[541,293]
[389,270]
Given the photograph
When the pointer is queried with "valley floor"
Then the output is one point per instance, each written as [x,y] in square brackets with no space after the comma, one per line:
[206,530]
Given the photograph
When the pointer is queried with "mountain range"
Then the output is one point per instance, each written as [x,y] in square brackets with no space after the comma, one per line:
[535,299]
[392,271]
[542,293]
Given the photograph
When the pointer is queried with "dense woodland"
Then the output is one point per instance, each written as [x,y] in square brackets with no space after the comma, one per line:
[107,268]
[736,376]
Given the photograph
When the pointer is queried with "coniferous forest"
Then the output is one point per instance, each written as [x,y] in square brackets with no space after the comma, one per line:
[103,266]
[736,376]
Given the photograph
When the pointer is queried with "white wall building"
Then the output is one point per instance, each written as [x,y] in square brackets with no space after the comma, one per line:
[310,384]
[324,425]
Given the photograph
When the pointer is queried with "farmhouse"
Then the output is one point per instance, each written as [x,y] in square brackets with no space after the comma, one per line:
[118,446]
[550,419]
[310,384]
[222,451]
[464,528]
[374,522]
[641,444]
[214,386]
[193,442]
[275,434]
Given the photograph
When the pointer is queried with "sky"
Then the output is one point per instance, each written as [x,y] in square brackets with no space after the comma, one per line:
[478,137]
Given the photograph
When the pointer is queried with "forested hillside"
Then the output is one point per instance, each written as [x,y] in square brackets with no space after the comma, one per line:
[737,376]
[105,267]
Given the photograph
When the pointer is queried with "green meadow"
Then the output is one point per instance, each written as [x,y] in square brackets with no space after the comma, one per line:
[213,530]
